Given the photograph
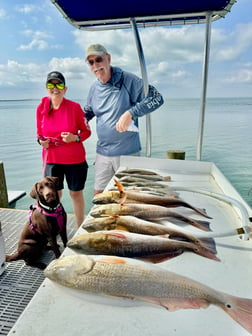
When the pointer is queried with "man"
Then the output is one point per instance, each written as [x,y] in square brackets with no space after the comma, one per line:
[117,99]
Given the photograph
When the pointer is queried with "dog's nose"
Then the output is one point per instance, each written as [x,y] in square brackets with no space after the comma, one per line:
[49,195]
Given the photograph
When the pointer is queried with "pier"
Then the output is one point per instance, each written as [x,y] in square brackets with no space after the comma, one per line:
[19,282]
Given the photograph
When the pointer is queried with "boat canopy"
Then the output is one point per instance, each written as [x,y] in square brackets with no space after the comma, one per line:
[114,14]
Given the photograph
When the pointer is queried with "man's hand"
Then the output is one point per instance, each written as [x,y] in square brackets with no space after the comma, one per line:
[124,121]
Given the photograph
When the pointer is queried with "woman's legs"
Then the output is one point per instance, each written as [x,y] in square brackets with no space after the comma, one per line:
[78,206]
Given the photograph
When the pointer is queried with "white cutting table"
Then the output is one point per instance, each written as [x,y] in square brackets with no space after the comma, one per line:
[59,311]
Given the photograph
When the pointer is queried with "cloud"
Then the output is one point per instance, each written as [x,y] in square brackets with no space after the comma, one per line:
[173,55]
[71,67]
[228,46]
[243,74]
[175,44]
[38,41]
[2,13]
[34,44]
[26,8]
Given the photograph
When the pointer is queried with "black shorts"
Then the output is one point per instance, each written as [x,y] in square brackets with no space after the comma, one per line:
[76,174]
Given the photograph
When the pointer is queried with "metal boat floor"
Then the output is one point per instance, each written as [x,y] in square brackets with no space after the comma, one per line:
[19,282]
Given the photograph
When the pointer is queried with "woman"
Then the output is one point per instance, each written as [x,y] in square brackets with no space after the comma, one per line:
[61,129]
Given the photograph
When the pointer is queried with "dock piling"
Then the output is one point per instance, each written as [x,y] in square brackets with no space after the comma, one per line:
[3,188]
[176,154]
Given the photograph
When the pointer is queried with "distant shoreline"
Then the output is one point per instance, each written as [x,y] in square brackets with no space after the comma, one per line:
[175,98]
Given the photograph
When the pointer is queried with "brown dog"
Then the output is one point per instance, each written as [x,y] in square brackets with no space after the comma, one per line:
[47,219]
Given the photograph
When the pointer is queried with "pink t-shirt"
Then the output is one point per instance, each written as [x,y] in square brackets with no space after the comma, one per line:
[69,117]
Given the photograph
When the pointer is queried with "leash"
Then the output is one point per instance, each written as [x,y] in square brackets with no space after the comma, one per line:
[44,162]
[53,141]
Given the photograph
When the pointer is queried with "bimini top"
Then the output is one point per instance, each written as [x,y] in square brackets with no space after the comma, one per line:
[113,14]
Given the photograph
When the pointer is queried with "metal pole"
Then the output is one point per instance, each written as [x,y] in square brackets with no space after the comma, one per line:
[204,83]
[145,80]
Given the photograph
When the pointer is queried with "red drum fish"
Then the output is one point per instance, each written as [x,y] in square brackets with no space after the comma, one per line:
[137,197]
[138,225]
[134,245]
[145,211]
[121,277]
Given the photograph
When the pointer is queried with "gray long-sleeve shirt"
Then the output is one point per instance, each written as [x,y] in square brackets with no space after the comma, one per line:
[108,101]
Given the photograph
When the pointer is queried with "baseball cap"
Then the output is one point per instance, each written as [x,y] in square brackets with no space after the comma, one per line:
[95,49]
[55,75]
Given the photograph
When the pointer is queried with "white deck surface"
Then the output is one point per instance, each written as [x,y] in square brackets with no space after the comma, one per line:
[58,311]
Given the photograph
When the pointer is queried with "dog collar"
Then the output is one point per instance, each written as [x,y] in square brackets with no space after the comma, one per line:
[43,206]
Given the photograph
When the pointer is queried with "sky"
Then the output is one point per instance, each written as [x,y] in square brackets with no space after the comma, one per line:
[35,39]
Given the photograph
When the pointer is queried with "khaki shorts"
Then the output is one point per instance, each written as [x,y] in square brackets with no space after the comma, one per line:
[105,168]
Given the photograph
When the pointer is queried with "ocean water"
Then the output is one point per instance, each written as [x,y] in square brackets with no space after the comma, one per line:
[227,142]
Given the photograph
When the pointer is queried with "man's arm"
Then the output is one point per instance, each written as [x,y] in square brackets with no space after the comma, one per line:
[149,104]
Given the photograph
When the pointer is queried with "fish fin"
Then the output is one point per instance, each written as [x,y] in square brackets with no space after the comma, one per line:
[173,304]
[111,260]
[123,200]
[164,236]
[116,234]
[155,259]
[121,228]
[240,310]
[119,185]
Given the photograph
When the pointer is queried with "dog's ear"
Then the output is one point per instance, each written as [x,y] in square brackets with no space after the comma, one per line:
[54,180]
[34,191]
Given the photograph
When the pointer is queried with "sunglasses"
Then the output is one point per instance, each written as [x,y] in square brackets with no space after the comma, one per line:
[59,86]
[98,59]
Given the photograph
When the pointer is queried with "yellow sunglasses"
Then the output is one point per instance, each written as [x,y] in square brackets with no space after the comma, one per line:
[59,86]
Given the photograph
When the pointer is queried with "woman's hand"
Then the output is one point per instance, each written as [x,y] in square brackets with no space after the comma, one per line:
[68,137]
[44,143]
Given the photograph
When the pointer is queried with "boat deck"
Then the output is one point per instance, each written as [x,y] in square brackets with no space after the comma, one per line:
[72,312]
[19,282]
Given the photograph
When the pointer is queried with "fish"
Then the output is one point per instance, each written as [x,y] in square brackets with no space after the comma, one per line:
[150,180]
[148,177]
[138,171]
[136,197]
[149,190]
[124,278]
[138,225]
[134,245]
[134,182]
[146,211]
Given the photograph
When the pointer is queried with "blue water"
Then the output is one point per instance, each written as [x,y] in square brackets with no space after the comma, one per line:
[227,141]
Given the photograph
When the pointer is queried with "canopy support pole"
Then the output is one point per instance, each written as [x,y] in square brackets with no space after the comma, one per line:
[204,83]
[145,80]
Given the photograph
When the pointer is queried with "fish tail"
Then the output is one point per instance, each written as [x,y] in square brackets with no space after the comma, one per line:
[240,310]
[208,243]
[203,225]
[204,252]
[201,212]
